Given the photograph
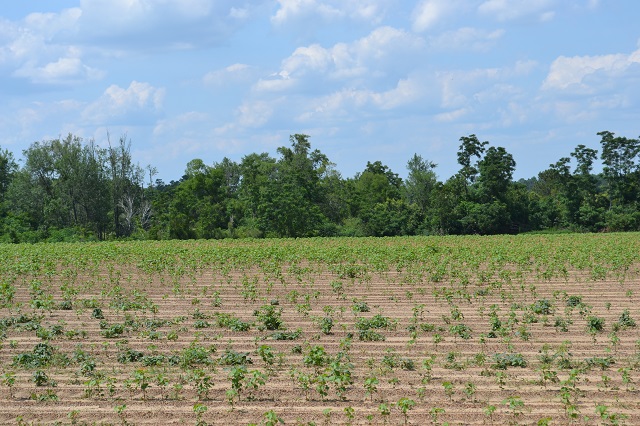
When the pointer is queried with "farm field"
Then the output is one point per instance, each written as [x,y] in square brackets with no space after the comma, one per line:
[530,329]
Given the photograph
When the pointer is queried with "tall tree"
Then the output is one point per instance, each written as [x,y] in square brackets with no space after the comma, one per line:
[621,170]
[470,146]
[127,180]
[420,182]
[8,167]
[291,199]
[496,173]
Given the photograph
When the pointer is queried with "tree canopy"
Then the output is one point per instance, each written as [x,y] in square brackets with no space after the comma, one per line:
[71,189]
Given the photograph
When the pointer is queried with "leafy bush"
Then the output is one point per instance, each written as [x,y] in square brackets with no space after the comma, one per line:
[41,356]
[113,331]
[231,322]
[603,363]
[270,317]
[317,357]
[195,354]
[370,336]
[326,324]
[231,357]
[595,324]
[286,335]
[129,355]
[542,307]
[573,301]
[360,306]
[377,321]
[201,324]
[625,320]
[502,361]
[152,360]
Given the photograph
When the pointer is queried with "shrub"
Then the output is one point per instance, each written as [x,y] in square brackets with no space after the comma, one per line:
[270,317]
[502,361]
[595,324]
[542,307]
[625,320]
[231,357]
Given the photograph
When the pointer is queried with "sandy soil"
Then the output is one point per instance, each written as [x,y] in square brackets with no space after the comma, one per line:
[462,386]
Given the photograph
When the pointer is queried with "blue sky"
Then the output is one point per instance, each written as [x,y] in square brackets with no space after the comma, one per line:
[366,79]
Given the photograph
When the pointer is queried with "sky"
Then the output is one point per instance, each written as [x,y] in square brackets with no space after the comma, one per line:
[367,80]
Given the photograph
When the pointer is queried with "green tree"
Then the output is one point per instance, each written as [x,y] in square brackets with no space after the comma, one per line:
[8,168]
[620,167]
[496,172]
[127,195]
[288,196]
[470,146]
[199,205]
[420,182]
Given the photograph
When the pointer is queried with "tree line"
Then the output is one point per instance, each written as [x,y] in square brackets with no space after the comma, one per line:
[68,190]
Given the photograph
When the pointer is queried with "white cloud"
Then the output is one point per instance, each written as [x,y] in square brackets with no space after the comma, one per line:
[367,55]
[428,13]
[32,49]
[590,74]
[449,116]
[328,10]
[66,70]
[506,10]
[274,84]
[466,38]
[138,102]
[350,104]
[254,113]
[235,73]
[178,24]
[182,123]
[460,88]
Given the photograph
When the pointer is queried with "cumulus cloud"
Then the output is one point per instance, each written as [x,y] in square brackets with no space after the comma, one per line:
[235,73]
[349,104]
[181,123]
[328,10]
[140,102]
[164,23]
[466,38]
[29,50]
[506,10]
[428,13]
[66,70]
[254,113]
[343,60]
[590,74]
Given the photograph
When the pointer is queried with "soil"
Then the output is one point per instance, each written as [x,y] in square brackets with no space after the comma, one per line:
[605,364]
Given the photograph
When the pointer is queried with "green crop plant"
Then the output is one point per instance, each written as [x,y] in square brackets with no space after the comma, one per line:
[405,405]
[385,412]
[449,389]
[595,324]
[9,380]
[609,418]
[202,383]
[200,409]
[470,390]
[371,386]
[515,405]
[142,380]
[435,413]
[270,317]
[120,411]
[350,413]
[271,418]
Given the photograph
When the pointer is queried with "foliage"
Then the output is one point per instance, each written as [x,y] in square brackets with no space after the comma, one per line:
[67,189]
